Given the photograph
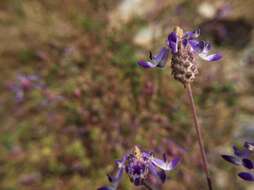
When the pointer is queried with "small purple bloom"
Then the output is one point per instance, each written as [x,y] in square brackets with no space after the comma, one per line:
[187,40]
[25,83]
[139,165]
[244,153]
[158,60]
[242,157]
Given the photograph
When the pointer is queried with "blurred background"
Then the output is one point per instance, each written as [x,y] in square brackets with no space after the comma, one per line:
[73,99]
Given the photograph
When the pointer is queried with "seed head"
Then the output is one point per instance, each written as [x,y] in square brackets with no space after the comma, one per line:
[183,64]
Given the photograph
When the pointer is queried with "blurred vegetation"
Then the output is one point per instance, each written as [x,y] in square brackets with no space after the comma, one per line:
[98,103]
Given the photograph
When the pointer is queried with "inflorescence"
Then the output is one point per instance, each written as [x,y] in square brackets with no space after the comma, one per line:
[243,157]
[25,83]
[184,46]
[139,165]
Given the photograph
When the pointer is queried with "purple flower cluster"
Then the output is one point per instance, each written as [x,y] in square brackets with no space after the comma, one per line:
[139,165]
[242,157]
[25,83]
[188,40]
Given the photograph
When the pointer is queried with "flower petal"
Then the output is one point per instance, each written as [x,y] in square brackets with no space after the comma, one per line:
[207,47]
[161,58]
[248,163]
[212,57]
[246,176]
[158,60]
[117,177]
[146,64]
[249,146]
[115,180]
[232,159]
[159,174]
[193,34]
[241,153]
[196,45]
[173,42]
[165,165]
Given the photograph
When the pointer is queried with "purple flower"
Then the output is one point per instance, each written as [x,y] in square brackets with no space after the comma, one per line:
[25,83]
[158,60]
[175,43]
[242,157]
[189,40]
[139,165]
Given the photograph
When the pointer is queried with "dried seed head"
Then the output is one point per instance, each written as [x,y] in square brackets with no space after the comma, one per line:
[184,67]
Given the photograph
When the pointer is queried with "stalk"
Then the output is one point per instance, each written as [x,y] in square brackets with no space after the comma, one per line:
[199,135]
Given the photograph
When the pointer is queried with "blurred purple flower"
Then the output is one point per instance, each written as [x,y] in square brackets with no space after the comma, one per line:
[139,165]
[243,158]
[158,60]
[188,41]
[25,83]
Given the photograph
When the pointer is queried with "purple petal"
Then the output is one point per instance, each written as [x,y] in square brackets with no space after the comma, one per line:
[118,176]
[207,47]
[158,60]
[249,146]
[248,163]
[161,59]
[115,180]
[159,174]
[232,159]
[162,175]
[246,176]
[196,45]
[241,153]
[201,46]
[146,64]
[193,34]
[212,57]
[165,165]
[185,42]
[173,42]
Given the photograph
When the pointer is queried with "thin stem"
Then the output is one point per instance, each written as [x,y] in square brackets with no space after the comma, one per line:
[199,135]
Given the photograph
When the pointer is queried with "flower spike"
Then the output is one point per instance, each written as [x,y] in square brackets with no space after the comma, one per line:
[242,158]
[139,165]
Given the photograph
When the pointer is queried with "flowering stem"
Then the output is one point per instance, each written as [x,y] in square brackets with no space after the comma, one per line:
[200,137]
